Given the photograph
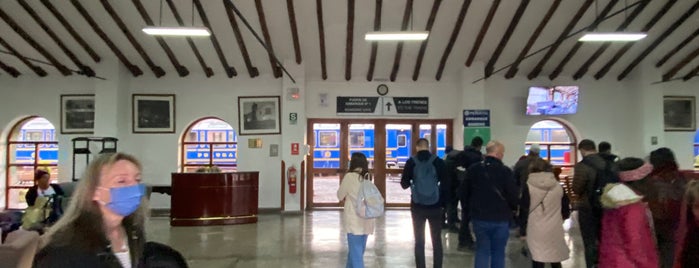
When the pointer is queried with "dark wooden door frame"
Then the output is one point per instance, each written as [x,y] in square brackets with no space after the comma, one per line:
[379,151]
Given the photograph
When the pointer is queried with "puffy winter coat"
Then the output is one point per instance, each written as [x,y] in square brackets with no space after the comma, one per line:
[626,239]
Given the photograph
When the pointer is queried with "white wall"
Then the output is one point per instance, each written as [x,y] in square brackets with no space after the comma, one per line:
[625,113]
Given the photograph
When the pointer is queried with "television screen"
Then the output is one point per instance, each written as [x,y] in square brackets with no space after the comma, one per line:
[552,100]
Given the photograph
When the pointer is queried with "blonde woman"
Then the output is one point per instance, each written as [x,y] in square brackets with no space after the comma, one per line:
[104,224]
[358,229]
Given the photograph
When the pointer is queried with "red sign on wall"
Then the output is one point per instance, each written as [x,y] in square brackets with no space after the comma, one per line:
[294,149]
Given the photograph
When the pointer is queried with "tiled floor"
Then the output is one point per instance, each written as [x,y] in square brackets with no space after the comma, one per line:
[315,239]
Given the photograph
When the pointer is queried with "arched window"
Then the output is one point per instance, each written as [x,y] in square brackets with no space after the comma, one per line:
[32,145]
[209,142]
[556,141]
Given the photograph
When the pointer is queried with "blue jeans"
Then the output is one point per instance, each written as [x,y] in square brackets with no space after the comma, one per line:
[355,253]
[491,239]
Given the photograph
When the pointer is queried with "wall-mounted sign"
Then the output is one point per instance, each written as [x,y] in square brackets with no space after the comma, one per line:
[295,148]
[358,105]
[395,106]
[293,118]
[476,118]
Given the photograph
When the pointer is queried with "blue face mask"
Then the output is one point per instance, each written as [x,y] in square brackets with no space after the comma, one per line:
[125,200]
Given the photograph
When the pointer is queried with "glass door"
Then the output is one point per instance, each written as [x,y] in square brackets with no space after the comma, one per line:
[399,147]
[327,159]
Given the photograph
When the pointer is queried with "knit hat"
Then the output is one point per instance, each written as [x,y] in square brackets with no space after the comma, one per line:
[633,169]
[534,148]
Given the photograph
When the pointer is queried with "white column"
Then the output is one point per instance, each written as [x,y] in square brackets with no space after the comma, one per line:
[472,97]
[293,133]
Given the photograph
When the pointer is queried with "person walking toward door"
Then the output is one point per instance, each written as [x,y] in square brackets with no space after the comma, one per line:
[425,174]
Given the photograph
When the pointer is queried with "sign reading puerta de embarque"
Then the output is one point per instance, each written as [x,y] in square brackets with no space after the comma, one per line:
[395,106]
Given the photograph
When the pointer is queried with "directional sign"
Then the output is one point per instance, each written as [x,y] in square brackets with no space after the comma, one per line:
[411,106]
[476,118]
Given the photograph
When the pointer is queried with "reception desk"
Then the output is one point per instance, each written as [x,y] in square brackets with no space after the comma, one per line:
[213,198]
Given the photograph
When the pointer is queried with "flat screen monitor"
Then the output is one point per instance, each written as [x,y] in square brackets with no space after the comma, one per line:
[554,100]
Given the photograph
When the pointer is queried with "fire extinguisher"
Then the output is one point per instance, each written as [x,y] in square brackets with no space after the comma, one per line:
[291,179]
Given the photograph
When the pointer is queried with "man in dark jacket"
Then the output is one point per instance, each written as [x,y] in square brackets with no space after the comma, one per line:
[605,151]
[584,177]
[471,155]
[426,212]
[451,161]
[521,170]
[491,195]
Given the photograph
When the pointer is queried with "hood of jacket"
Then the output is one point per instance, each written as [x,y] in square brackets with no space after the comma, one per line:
[618,195]
[636,174]
[423,155]
[542,180]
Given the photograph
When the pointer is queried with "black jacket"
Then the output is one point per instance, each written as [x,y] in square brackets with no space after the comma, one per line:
[33,193]
[470,156]
[80,251]
[444,184]
[490,192]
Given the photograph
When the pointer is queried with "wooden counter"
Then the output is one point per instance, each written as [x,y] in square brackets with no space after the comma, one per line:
[213,198]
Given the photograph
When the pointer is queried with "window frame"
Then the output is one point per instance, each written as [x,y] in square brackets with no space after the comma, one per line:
[212,145]
[11,150]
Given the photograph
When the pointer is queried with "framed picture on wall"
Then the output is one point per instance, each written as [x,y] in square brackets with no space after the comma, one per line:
[153,113]
[679,113]
[77,114]
[259,115]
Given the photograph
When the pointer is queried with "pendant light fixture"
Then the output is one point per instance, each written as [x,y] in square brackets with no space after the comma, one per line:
[176,30]
[398,35]
[613,36]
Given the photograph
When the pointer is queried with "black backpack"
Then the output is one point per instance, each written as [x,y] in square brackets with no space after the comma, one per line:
[603,177]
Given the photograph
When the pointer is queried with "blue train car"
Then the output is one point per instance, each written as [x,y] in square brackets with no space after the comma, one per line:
[326,153]
[552,132]
[212,130]
[38,129]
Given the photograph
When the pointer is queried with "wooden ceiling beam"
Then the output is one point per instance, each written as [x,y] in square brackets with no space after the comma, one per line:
[694,72]
[584,68]
[506,37]
[349,40]
[157,70]
[399,48]
[321,38]
[36,69]
[658,41]
[268,39]
[532,39]
[135,70]
[230,71]
[539,66]
[33,43]
[239,38]
[9,69]
[481,34]
[577,45]
[452,39]
[689,58]
[71,30]
[181,70]
[374,44]
[207,70]
[82,67]
[294,30]
[423,46]
[677,48]
[603,71]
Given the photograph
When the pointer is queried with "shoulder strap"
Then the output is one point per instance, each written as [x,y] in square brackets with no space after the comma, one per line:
[541,203]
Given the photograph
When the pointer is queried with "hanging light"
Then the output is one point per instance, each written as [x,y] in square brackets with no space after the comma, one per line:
[177,31]
[397,36]
[612,37]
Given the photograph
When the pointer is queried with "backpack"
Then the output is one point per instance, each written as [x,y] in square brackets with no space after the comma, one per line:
[369,200]
[603,177]
[425,188]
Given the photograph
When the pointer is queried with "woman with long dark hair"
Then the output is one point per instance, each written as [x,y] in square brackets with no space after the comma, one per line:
[358,229]
[666,188]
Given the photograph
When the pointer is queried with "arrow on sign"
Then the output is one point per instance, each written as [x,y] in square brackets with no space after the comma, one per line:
[388,106]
